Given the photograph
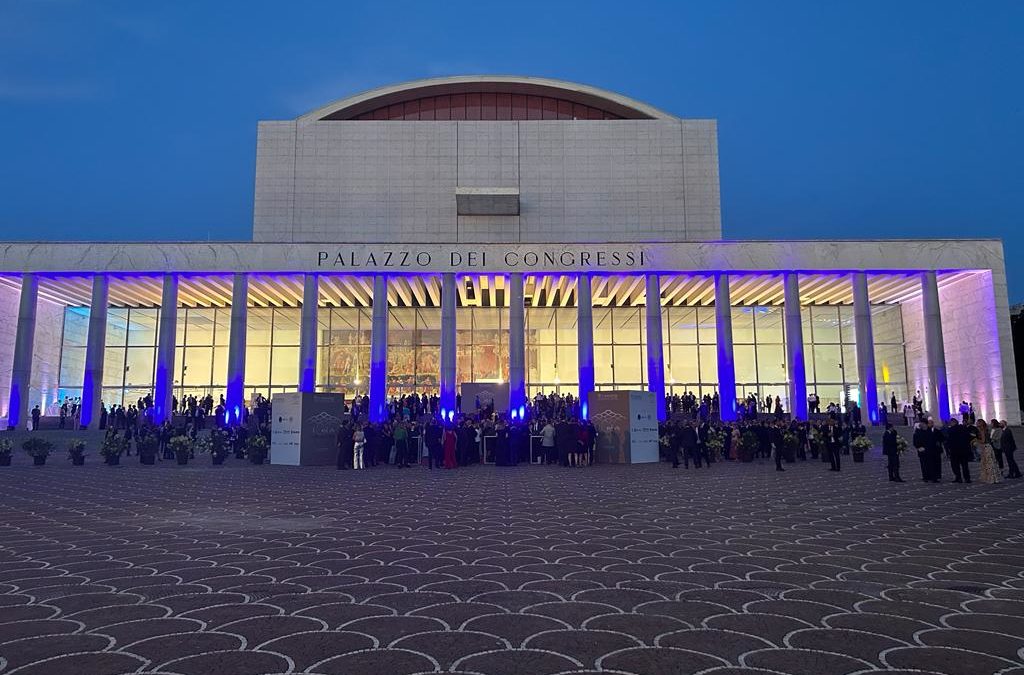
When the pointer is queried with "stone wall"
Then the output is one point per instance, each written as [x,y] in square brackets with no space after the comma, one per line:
[45,352]
[579,181]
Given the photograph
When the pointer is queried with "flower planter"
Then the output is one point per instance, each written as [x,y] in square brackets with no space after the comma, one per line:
[78,461]
[113,460]
[858,457]
[217,459]
[5,460]
[257,459]
[39,460]
[182,459]
[148,459]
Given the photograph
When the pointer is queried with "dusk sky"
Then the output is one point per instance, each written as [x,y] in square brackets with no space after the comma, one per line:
[137,120]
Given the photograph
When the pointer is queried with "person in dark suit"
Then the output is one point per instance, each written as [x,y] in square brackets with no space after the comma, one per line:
[891,449]
[958,446]
[688,443]
[1009,447]
[432,439]
[832,436]
[928,442]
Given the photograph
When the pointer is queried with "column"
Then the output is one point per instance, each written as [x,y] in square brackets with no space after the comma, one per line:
[865,347]
[308,332]
[163,405]
[21,373]
[449,301]
[937,385]
[236,349]
[585,341]
[516,347]
[95,348]
[726,360]
[655,360]
[795,363]
[379,351]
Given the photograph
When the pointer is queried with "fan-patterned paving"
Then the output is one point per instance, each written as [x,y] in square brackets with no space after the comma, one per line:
[621,569]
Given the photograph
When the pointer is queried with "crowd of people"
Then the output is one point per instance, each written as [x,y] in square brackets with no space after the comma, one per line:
[553,433]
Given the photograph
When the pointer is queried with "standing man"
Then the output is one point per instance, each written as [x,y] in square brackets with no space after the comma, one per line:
[36,412]
[1009,447]
[958,446]
[891,449]
[833,439]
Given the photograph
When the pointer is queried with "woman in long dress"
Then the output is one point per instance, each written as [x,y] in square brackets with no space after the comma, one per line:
[989,468]
[450,442]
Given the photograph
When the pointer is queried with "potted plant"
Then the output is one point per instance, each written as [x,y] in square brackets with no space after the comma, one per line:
[113,446]
[38,449]
[814,441]
[201,445]
[748,446]
[181,446]
[5,452]
[716,444]
[76,453]
[257,446]
[901,444]
[146,446]
[859,446]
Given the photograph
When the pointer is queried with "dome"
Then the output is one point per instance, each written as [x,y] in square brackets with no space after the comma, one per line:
[485,98]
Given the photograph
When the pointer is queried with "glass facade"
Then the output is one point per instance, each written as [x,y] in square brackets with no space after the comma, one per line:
[343,349]
[759,351]
[271,350]
[72,352]
[890,354]
[414,350]
[830,353]
[414,343]
[201,357]
[129,360]
[551,350]
[691,356]
[481,339]
[620,348]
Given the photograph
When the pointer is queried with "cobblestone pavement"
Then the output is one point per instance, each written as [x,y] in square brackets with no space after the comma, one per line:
[535,570]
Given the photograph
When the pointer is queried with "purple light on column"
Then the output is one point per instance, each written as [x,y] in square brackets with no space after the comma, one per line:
[449,301]
[15,409]
[379,351]
[585,341]
[726,360]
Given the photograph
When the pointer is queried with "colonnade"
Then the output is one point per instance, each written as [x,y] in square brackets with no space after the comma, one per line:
[165,367]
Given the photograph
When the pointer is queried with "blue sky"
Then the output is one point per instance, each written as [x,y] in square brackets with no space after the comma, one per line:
[137,120]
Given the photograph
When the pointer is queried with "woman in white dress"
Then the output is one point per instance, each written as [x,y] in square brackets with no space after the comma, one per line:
[989,468]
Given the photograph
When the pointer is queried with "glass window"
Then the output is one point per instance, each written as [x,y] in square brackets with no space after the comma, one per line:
[742,326]
[286,327]
[117,327]
[138,366]
[682,326]
[113,367]
[825,325]
[284,366]
[142,327]
[769,325]
[771,364]
[828,363]
[746,363]
[198,366]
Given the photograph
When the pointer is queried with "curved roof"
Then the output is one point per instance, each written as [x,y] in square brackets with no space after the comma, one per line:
[610,104]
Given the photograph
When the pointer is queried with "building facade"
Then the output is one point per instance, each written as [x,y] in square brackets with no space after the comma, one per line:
[495,229]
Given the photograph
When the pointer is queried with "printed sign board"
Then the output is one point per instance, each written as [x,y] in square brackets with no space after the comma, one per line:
[627,426]
[305,427]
